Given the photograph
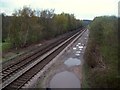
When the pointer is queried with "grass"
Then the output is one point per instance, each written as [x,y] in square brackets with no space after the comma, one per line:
[84,79]
[5,46]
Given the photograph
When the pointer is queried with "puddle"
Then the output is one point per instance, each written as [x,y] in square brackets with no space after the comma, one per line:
[80,47]
[78,51]
[77,54]
[83,44]
[74,48]
[72,62]
[65,80]
[79,43]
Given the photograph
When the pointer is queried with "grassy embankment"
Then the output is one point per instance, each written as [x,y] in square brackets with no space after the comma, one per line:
[6,46]
[101,56]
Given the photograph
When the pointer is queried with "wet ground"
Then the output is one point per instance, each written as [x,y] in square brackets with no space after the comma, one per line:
[65,79]
[72,62]
[66,72]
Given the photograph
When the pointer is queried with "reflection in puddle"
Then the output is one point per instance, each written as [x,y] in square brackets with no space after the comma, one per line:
[78,51]
[72,62]
[83,44]
[77,54]
[65,80]
[80,47]
[79,43]
[74,48]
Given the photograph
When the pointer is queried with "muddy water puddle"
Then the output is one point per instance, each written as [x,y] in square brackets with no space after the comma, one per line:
[65,80]
[72,62]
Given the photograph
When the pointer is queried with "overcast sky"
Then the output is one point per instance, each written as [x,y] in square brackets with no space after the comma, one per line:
[82,9]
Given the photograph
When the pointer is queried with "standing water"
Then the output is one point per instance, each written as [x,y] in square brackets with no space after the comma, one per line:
[72,62]
[65,80]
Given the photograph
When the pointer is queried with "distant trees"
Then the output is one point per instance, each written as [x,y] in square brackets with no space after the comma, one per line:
[29,26]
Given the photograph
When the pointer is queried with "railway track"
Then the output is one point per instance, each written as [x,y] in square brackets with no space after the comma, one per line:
[32,51]
[22,62]
[19,81]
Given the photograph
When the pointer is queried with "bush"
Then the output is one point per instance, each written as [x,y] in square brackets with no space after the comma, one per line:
[102,53]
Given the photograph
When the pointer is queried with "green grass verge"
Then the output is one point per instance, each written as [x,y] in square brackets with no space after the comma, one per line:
[5,46]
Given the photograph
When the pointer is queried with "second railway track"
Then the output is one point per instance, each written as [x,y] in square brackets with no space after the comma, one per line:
[22,62]
[28,74]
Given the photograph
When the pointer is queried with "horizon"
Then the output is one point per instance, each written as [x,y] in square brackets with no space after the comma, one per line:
[83,10]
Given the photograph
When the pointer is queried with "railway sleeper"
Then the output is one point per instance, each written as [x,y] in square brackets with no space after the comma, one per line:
[23,78]
[16,84]
[7,74]
[3,79]
[3,73]
[19,81]
[26,77]
[13,68]
[8,70]
[13,87]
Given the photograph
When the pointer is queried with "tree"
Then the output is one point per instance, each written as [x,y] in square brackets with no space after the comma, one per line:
[28,26]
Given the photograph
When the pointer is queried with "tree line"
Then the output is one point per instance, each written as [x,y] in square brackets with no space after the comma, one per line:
[27,26]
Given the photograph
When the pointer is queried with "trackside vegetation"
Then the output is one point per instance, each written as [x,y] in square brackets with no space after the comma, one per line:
[27,26]
[101,55]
